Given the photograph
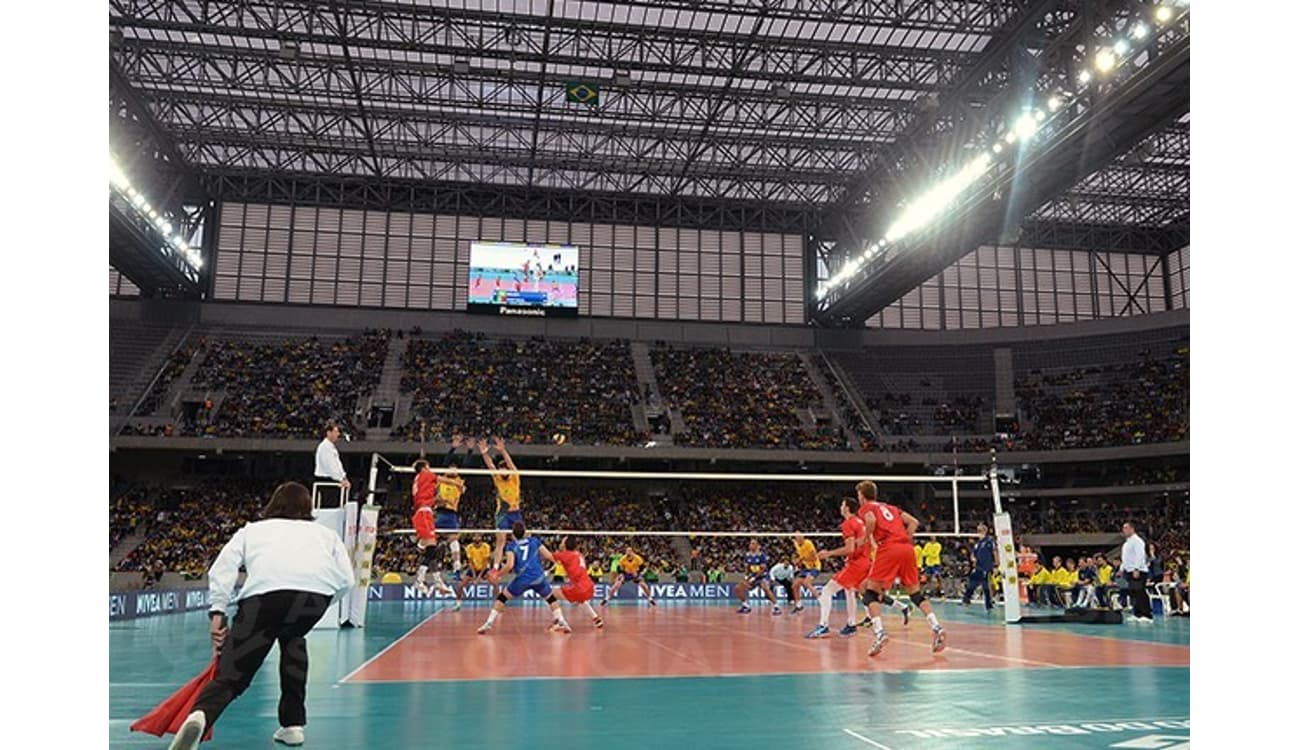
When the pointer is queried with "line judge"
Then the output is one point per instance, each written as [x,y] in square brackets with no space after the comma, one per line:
[329,467]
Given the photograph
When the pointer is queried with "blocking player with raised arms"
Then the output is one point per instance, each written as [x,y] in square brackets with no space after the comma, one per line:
[857,550]
[892,528]
[580,588]
[447,507]
[756,576]
[506,482]
[524,555]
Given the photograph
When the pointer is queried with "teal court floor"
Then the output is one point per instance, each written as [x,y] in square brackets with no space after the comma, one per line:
[685,675]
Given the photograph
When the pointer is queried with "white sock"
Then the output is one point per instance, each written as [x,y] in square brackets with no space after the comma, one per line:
[901,604]
[590,610]
[559,615]
[851,597]
[455,554]
[492,616]
[828,596]
[934,621]
[878,626]
[420,573]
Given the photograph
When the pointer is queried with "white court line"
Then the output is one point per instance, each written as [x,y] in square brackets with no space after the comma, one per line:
[403,637]
[871,742]
[1054,722]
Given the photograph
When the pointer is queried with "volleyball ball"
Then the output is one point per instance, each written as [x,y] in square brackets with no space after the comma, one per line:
[558,438]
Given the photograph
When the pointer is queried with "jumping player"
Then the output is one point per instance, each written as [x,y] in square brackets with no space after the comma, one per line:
[891,529]
[423,490]
[810,566]
[447,509]
[756,575]
[629,571]
[857,549]
[580,589]
[524,555]
[506,482]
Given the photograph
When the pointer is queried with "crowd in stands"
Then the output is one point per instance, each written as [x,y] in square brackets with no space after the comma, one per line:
[1145,401]
[287,389]
[129,510]
[742,399]
[172,369]
[526,391]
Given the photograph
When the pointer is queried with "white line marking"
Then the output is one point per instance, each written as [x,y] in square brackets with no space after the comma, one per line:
[871,742]
[403,637]
[1054,722]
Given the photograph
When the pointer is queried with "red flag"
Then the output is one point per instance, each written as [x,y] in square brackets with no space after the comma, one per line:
[168,716]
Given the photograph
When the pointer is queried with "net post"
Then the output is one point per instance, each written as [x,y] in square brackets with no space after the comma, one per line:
[374,479]
[1004,546]
[956,512]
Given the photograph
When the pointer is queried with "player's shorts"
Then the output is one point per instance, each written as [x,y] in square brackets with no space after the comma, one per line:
[629,577]
[445,518]
[931,570]
[507,520]
[853,573]
[538,586]
[753,581]
[808,573]
[469,574]
[578,593]
[423,520]
[895,561]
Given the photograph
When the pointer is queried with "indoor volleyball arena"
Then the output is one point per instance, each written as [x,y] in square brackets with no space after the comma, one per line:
[585,374]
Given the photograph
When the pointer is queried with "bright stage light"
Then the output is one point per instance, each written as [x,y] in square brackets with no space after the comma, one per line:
[1164,13]
[1105,60]
[1054,103]
[1121,47]
[997,148]
[1084,76]
[1040,115]
[1026,126]
[1139,31]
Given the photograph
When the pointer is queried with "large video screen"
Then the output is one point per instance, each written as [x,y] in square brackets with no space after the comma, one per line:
[512,278]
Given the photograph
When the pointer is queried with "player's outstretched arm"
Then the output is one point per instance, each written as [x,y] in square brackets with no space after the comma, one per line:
[487,457]
[505,455]
[546,554]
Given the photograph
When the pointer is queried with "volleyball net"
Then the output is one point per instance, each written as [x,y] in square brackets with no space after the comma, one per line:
[699,519]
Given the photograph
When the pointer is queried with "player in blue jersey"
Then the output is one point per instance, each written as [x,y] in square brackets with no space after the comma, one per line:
[756,569]
[524,555]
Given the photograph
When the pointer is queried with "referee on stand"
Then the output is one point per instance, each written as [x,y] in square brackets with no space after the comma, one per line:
[329,467]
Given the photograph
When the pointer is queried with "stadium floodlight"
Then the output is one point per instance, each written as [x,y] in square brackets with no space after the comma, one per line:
[928,206]
[1026,126]
[1139,31]
[1040,115]
[1011,136]
[1105,60]
[997,148]
[1121,47]
[116,176]
[138,200]
[1054,103]
[1084,76]
[1164,13]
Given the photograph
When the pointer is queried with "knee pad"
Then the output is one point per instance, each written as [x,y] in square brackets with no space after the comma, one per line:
[871,597]
[502,597]
[917,598]
[428,556]
[551,599]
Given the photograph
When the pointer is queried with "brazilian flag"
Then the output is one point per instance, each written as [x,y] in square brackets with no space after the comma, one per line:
[582,92]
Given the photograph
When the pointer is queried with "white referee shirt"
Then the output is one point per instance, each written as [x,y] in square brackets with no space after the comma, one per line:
[328,463]
[1134,555]
[782,572]
[280,554]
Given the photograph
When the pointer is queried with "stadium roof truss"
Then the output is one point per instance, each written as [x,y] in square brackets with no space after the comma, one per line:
[784,115]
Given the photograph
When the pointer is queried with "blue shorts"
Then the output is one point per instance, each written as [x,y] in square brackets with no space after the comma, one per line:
[933,570]
[629,577]
[538,586]
[808,573]
[444,518]
[754,580]
[505,521]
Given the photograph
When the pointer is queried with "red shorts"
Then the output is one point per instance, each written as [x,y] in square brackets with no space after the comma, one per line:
[895,561]
[423,519]
[578,593]
[854,573]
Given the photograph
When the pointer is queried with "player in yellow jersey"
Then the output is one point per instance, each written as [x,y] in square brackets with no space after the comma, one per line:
[478,553]
[933,551]
[447,504]
[629,571]
[810,566]
[506,482]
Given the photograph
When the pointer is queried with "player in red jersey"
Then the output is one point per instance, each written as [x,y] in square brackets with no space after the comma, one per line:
[580,589]
[891,529]
[858,551]
[423,491]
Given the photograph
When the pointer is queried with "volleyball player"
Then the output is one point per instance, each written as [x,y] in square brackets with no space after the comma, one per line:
[447,509]
[524,555]
[756,575]
[857,550]
[476,572]
[933,553]
[891,529]
[423,490]
[506,482]
[629,571]
[580,589]
[810,566]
